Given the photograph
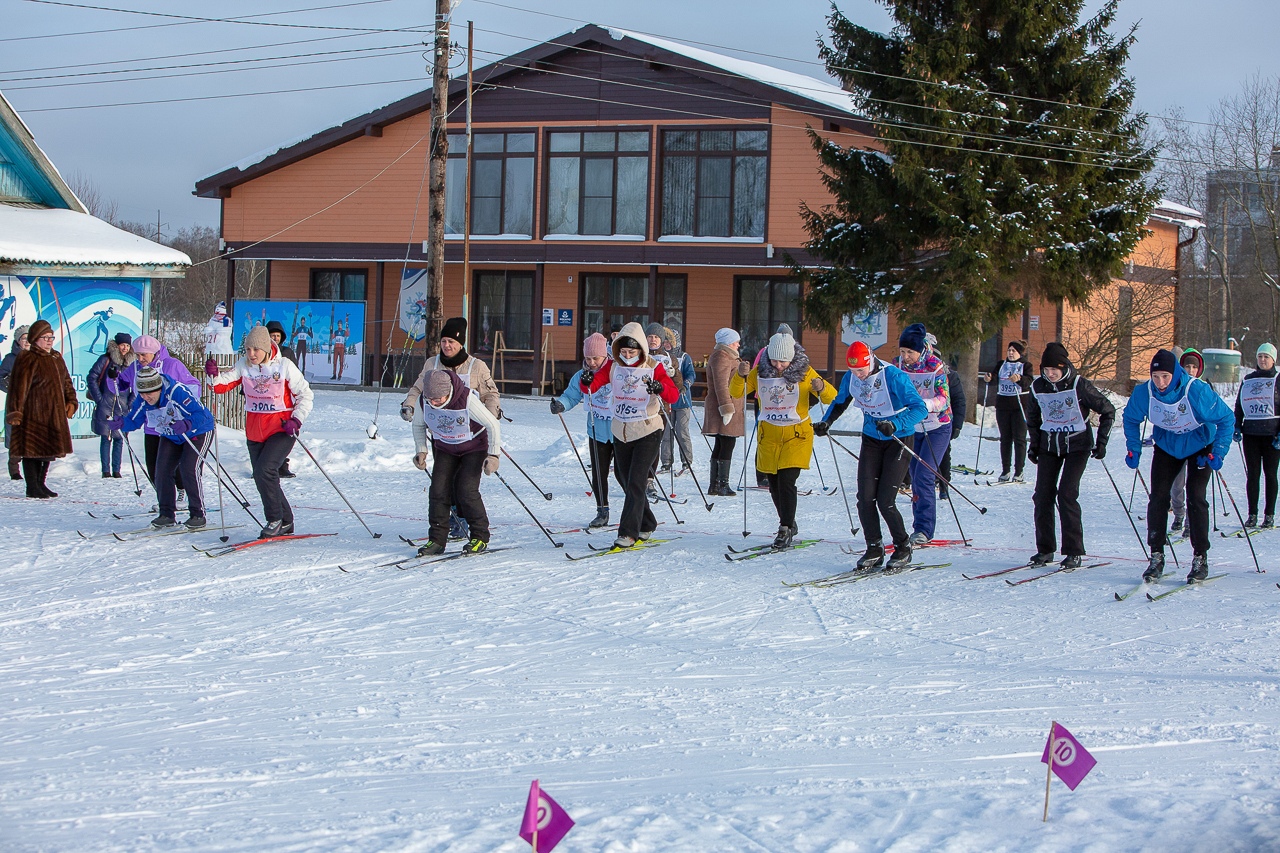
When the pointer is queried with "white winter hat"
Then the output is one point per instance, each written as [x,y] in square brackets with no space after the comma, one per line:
[782,347]
[727,336]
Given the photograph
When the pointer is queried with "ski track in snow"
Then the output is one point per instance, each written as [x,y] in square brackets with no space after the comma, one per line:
[152,698]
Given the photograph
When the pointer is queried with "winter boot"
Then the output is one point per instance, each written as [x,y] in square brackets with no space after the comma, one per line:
[1199,568]
[15,467]
[285,473]
[784,538]
[286,529]
[31,473]
[720,479]
[106,475]
[1155,568]
[762,479]
[644,535]
[1177,523]
[1071,561]
[624,542]
[1268,522]
[872,558]
[1004,477]
[1042,558]
[475,546]
[919,538]
[1252,520]
[271,530]
[431,548]
[162,521]
[601,519]
[44,472]
[1019,478]
[182,497]
[901,557]
[196,522]
[651,492]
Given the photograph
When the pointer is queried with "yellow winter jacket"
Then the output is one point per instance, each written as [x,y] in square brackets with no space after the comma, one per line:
[785,446]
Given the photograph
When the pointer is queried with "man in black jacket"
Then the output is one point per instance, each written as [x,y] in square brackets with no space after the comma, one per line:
[1059,445]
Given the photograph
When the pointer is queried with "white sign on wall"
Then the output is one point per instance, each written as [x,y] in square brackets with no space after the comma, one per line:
[870,326]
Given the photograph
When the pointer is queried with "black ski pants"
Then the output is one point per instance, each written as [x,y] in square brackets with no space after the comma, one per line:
[175,462]
[782,488]
[632,460]
[1058,487]
[1260,459]
[1164,469]
[881,467]
[150,451]
[455,481]
[601,455]
[266,458]
[1013,434]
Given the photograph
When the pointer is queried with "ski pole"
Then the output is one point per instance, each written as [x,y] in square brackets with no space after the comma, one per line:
[544,530]
[745,459]
[1147,491]
[200,455]
[982,426]
[335,487]
[694,413]
[546,495]
[952,504]
[1142,542]
[1213,508]
[1141,439]
[230,482]
[675,438]
[1247,538]
[839,479]
[950,485]
[222,515]
[572,444]
[842,447]
[602,493]
[244,505]
[137,488]
[667,498]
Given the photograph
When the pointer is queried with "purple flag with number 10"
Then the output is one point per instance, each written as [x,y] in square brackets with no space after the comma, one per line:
[1071,761]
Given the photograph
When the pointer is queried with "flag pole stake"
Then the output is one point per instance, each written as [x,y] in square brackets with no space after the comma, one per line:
[1049,774]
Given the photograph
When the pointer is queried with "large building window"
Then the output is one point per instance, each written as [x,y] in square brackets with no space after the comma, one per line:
[503,302]
[501,184]
[598,183]
[339,285]
[610,299]
[762,304]
[714,183]
[673,288]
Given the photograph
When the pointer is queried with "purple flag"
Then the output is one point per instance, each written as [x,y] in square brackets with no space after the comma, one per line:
[544,816]
[1071,761]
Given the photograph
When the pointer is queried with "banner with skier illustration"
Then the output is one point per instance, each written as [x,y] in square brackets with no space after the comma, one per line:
[85,314]
[326,336]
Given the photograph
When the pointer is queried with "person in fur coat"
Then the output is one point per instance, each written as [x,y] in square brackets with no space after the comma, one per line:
[111,399]
[41,401]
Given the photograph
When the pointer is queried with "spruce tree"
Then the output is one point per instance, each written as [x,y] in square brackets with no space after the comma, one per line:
[1012,164]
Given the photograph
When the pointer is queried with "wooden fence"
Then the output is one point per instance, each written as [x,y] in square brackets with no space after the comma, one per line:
[228,409]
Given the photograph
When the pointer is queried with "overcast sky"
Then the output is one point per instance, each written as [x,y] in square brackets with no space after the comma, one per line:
[148,156]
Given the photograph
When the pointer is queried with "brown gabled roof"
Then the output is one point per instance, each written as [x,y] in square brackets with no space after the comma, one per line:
[728,73]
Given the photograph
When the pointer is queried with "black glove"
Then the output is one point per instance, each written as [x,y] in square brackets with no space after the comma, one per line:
[653,386]
[113,370]
[1099,451]
[885,427]
[588,376]
[556,407]
[1033,454]
[821,428]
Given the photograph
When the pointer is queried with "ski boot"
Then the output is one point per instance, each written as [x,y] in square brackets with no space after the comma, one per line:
[1041,559]
[901,557]
[918,538]
[1199,568]
[784,538]
[271,530]
[1019,478]
[1251,520]
[1177,523]
[1004,477]
[651,492]
[475,546]
[644,535]
[601,519]
[162,521]
[872,559]
[1071,561]
[1268,522]
[431,548]
[1155,568]
[196,522]
[624,542]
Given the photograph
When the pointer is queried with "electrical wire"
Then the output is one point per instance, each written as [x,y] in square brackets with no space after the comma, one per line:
[243,20]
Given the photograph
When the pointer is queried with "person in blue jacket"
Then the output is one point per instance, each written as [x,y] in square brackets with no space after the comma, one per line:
[183,425]
[891,408]
[595,352]
[1192,428]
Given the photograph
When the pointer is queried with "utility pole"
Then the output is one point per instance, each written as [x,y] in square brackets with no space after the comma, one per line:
[439,142]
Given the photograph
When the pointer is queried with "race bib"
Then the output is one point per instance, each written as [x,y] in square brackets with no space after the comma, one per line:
[926,386]
[779,400]
[1060,411]
[628,396]
[451,426]
[264,387]
[1008,387]
[872,395]
[1258,398]
[1177,418]
[600,404]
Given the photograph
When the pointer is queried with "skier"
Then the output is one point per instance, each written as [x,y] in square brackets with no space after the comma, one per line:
[455,418]
[929,376]
[1193,363]
[179,418]
[682,411]
[595,352]
[1191,427]
[1014,376]
[638,388]
[111,399]
[152,353]
[339,352]
[1060,444]
[301,341]
[723,414]
[784,381]
[453,356]
[100,329]
[891,408]
[277,402]
[1258,430]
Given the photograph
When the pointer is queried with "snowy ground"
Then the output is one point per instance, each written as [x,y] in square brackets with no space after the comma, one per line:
[152,698]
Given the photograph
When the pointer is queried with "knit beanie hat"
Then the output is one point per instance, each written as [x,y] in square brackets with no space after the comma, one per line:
[912,337]
[1055,355]
[859,355]
[656,330]
[456,328]
[147,380]
[782,347]
[1163,362]
[124,338]
[1191,357]
[146,344]
[19,332]
[595,346]
[258,338]
[727,336]
[1021,347]
[437,384]
[784,329]
[1267,349]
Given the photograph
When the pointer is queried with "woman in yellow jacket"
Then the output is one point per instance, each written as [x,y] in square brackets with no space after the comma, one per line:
[784,382]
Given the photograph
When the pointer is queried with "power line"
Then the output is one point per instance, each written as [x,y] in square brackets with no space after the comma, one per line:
[244,19]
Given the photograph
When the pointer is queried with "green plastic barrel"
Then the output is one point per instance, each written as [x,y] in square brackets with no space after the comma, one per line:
[1221,365]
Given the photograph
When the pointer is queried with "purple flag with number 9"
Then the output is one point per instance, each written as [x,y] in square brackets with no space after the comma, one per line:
[1071,761]
[544,816]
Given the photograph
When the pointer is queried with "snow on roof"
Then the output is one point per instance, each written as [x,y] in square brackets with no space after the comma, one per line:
[1178,214]
[812,88]
[64,237]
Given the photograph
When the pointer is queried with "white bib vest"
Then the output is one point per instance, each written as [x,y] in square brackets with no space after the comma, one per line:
[1177,418]
[264,388]
[628,396]
[1258,398]
[1060,411]
[451,426]
[1007,387]
[600,404]
[872,395]
[779,401]
[925,387]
